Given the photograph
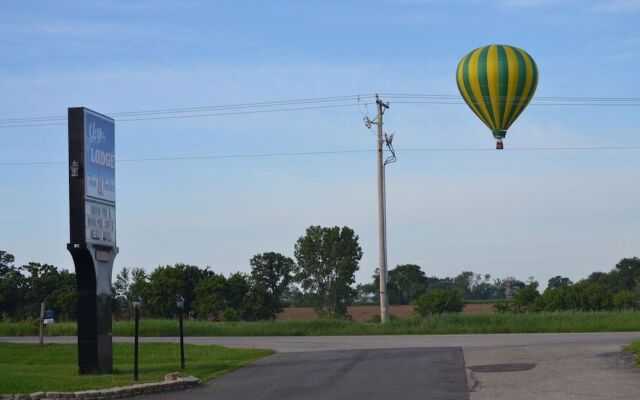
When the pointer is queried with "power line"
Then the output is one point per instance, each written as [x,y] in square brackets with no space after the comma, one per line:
[328,152]
[265,104]
[208,157]
[541,98]
[531,104]
[268,106]
[200,115]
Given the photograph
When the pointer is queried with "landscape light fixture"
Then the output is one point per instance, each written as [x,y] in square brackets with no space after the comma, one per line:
[75,169]
[137,302]
[180,304]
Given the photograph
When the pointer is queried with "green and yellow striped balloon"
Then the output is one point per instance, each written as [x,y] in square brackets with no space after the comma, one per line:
[497,82]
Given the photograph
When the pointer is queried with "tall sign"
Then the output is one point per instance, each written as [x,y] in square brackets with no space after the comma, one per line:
[92,221]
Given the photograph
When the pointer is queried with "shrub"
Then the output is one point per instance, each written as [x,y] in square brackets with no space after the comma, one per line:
[502,306]
[527,298]
[439,301]
[624,300]
[229,315]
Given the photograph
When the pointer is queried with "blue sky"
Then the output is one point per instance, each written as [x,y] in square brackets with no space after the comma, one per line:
[512,213]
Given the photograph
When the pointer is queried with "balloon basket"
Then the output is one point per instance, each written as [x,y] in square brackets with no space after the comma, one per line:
[499,145]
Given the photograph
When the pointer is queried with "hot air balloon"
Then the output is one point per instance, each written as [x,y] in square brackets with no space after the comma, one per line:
[497,82]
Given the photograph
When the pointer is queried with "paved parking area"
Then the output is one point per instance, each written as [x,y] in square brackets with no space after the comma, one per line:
[555,366]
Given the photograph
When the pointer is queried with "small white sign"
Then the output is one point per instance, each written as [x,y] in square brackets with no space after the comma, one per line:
[101,223]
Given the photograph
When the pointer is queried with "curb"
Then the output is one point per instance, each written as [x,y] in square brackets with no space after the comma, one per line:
[111,393]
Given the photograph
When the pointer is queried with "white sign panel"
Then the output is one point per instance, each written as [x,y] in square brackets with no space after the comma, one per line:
[101,223]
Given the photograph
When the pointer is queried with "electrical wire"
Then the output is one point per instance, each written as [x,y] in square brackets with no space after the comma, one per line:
[200,115]
[272,106]
[329,152]
[265,104]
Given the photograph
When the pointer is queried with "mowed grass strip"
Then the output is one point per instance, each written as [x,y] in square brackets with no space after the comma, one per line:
[634,348]
[624,321]
[29,368]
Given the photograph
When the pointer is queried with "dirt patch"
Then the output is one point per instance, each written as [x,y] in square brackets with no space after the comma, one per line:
[365,313]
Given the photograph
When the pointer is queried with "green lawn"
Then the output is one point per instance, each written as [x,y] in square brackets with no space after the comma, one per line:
[635,348]
[31,368]
[610,321]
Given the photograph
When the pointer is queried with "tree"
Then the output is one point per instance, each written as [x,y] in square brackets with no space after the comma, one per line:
[166,283]
[273,271]
[327,262]
[57,288]
[211,295]
[271,275]
[409,280]
[626,274]
[12,286]
[526,297]
[120,294]
[559,281]
[464,283]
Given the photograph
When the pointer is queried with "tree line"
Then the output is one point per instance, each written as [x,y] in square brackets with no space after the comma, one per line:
[322,275]
[408,281]
[618,289]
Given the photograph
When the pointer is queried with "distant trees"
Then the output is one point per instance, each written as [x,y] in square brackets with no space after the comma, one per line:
[408,281]
[323,276]
[327,260]
[22,289]
[559,281]
[617,290]
[213,296]
[439,301]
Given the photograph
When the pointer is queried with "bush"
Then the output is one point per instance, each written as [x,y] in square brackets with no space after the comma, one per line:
[502,306]
[229,315]
[439,301]
[527,299]
[624,300]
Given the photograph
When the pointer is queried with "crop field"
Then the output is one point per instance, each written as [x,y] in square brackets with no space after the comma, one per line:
[364,313]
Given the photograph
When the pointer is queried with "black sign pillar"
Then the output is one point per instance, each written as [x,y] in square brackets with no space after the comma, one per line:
[92,244]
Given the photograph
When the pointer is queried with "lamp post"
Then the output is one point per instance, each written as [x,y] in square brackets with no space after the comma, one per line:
[137,301]
[180,304]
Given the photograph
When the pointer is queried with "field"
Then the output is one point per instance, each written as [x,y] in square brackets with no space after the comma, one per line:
[364,313]
[31,368]
[624,321]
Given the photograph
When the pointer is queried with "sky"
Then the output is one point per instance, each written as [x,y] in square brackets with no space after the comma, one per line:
[510,213]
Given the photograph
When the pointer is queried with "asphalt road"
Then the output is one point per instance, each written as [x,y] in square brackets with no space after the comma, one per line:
[564,366]
[390,374]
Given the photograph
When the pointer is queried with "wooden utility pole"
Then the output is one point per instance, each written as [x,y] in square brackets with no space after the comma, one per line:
[382,217]
[41,323]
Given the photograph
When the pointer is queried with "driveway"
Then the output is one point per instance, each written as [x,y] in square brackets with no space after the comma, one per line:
[562,366]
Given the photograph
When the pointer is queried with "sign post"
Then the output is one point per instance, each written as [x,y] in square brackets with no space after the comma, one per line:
[92,244]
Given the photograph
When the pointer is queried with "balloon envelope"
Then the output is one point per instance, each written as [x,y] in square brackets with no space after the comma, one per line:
[497,82]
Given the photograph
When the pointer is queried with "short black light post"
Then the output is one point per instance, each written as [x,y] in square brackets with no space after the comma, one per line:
[180,304]
[137,301]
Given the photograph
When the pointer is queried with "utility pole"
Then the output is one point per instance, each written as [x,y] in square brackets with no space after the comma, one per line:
[382,217]
[382,208]
[41,323]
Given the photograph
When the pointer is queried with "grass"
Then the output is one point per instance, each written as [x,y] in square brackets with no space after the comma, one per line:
[623,321]
[31,368]
[634,348]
